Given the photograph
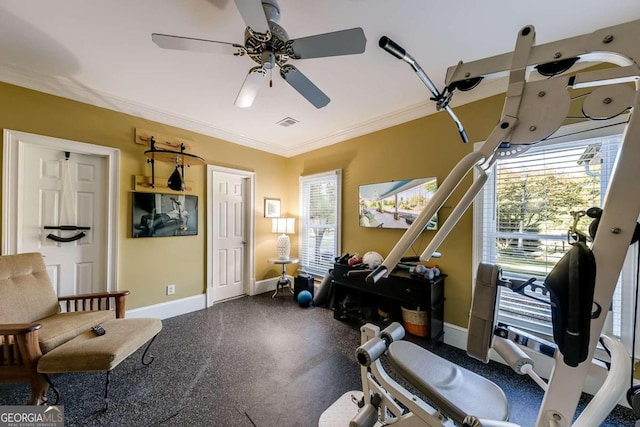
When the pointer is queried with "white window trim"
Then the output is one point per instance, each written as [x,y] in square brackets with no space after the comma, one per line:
[338,174]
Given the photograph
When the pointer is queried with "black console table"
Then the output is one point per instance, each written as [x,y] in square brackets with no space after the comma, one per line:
[400,288]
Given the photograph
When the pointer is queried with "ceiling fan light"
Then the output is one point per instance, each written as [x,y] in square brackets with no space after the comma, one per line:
[244,100]
[250,87]
[268,60]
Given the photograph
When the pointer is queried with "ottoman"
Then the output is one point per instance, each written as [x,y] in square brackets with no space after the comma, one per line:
[89,352]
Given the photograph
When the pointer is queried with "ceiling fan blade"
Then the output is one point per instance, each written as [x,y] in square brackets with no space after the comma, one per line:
[304,86]
[167,41]
[252,84]
[344,42]
[253,15]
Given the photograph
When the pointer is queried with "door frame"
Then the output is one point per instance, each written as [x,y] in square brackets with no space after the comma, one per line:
[249,275]
[13,148]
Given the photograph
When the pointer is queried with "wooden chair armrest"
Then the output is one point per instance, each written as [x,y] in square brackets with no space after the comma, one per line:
[96,301]
[18,328]
[94,295]
[19,345]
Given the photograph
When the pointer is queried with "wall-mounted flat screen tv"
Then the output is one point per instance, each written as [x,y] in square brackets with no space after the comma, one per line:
[156,214]
[396,204]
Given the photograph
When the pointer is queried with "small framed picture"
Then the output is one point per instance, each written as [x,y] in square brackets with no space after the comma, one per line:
[271,208]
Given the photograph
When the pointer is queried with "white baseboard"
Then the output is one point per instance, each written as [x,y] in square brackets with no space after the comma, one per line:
[174,308]
[455,336]
[269,285]
[169,309]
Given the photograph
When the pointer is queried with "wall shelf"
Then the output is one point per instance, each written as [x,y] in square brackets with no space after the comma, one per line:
[162,140]
[143,183]
[167,151]
[176,157]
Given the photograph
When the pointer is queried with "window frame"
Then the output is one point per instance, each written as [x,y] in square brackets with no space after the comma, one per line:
[336,175]
[566,134]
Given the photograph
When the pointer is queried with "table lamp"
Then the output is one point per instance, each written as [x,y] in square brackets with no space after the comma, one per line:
[284,226]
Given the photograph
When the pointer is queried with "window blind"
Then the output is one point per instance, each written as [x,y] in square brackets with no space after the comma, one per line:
[319,240]
[529,204]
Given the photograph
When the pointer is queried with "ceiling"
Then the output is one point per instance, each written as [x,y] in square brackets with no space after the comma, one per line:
[100,52]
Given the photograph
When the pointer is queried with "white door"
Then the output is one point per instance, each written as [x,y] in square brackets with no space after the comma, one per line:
[54,191]
[230,233]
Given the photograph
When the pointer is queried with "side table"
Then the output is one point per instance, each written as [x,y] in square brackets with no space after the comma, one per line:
[283,280]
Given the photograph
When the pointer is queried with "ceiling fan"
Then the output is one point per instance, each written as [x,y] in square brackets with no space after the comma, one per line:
[268,44]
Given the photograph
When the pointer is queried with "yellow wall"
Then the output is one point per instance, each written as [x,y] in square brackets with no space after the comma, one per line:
[429,146]
[425,147]
[146,266]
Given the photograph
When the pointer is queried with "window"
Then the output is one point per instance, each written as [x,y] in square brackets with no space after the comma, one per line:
[320,200]
[522,217]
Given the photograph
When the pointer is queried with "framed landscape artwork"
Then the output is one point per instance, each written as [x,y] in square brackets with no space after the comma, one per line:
[396,204]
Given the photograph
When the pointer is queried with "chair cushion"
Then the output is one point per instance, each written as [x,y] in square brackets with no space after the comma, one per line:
[455,391]
[26,293]
[62,327]
[90,352]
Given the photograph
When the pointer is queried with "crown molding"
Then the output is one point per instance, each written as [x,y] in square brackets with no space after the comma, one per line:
[67,88]
[394,118]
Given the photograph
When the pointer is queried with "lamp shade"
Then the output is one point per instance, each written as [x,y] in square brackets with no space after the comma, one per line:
[283,226]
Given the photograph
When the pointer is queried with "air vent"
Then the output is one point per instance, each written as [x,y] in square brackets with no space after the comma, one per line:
[286,122]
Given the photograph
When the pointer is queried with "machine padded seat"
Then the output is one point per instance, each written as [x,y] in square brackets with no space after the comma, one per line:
[455,391]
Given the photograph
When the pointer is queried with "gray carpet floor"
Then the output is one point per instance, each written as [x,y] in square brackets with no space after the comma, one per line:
[253,361]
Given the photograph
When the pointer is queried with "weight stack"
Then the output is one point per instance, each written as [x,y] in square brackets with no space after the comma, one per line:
[303,282]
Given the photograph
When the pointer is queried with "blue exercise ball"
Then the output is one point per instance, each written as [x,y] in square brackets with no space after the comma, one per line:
[304,298]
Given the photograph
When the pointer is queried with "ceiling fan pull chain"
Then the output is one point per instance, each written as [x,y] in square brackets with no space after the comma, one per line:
[270,77]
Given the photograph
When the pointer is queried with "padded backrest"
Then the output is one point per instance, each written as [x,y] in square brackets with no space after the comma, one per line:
[483,312]
[26,293]
[571,284]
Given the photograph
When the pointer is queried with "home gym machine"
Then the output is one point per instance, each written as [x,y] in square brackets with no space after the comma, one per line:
[581,285]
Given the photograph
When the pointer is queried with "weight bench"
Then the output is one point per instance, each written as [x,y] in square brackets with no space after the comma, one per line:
[89,352]
[452,392]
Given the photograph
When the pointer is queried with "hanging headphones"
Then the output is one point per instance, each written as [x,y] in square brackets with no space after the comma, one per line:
[596,213]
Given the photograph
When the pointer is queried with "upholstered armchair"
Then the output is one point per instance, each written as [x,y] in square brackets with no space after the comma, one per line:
[33,321]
